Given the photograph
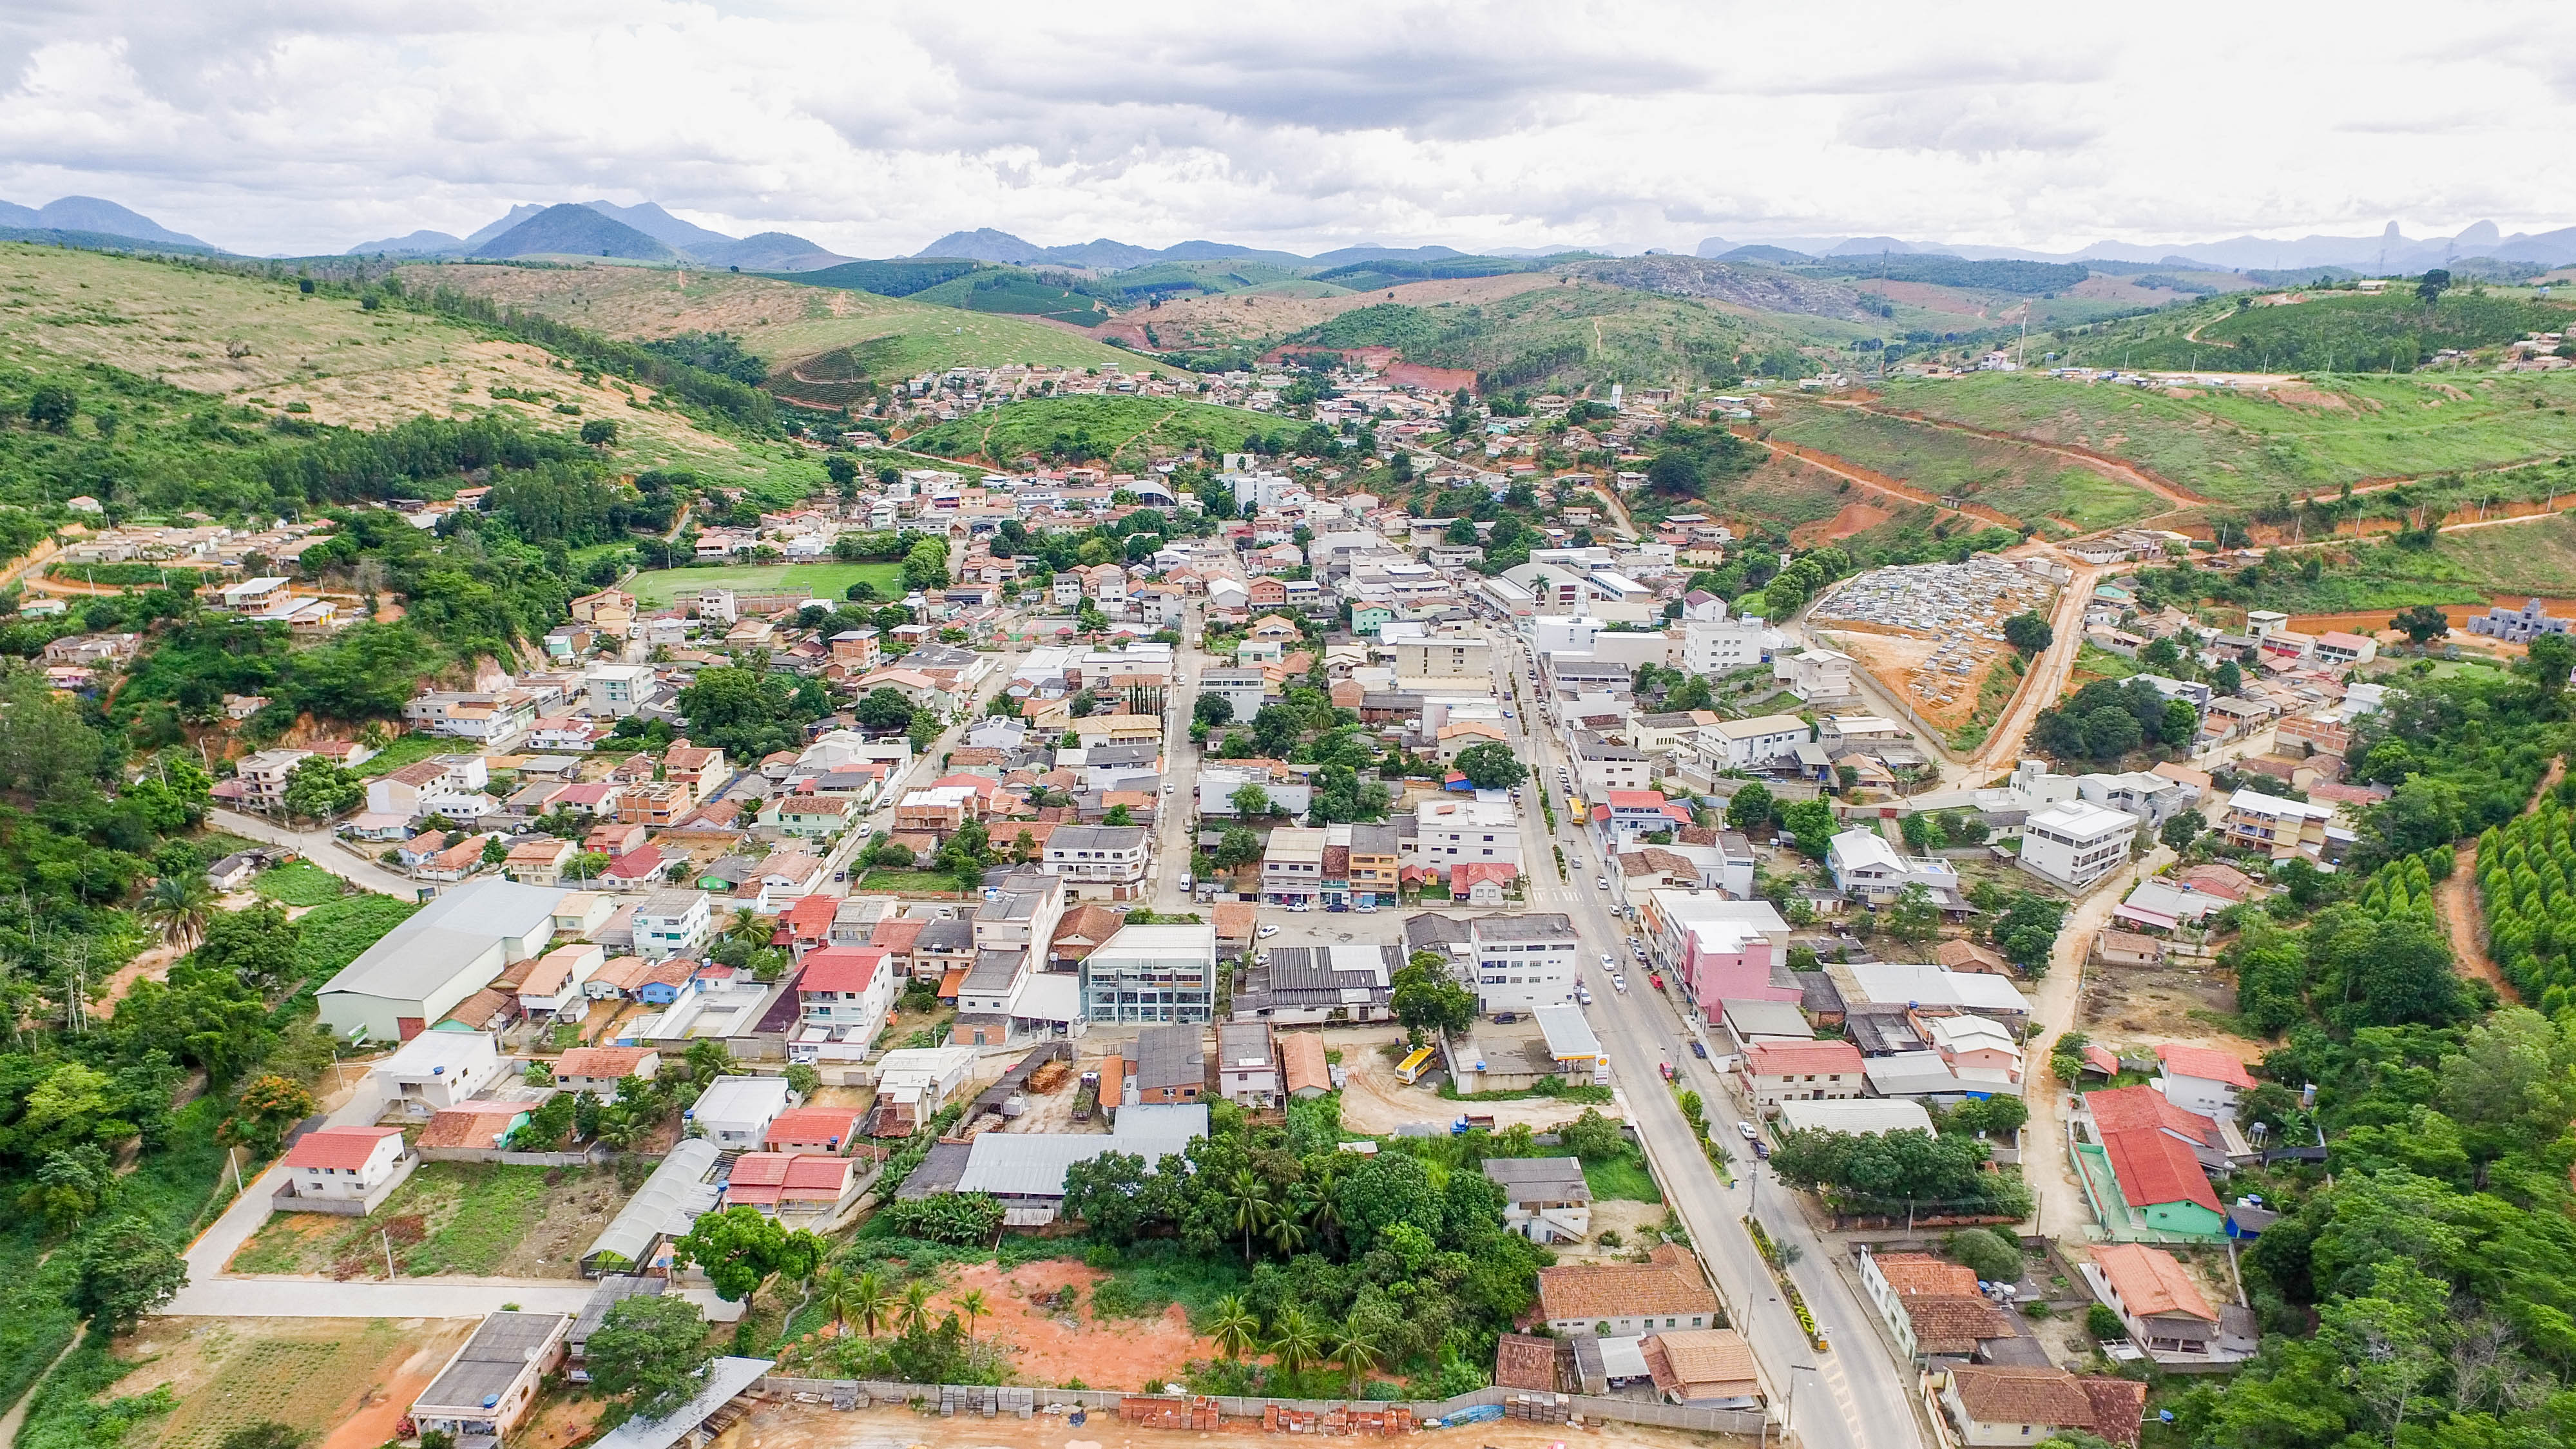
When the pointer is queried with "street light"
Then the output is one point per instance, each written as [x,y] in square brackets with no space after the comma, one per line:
[1789,1417]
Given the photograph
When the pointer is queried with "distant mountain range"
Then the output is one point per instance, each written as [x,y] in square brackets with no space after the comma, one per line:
[643,233]
[100,218]
[987,245]
[2389,252]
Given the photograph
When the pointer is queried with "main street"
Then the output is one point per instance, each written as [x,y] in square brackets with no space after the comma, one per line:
[1850,1397]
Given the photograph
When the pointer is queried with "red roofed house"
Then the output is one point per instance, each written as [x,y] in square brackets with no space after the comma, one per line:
[2162,1308]
[807,1185]
[2141,1171]
[1998,1404]
[598,1070]
[1628,815]
[846,991]
[808,923]
[344,1170]
[638,869]
[2203,1080]
[1482,882]
[1801,1071]
[813,1129]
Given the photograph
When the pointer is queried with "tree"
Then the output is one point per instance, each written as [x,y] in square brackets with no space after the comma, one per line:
[2180,725]
[973,1304]
[1426,999]
[913,1316]
[599,432]
[1992,1258]
[2027,931]
[53,408]
[2423,623]
[2028,632]
[178,907]
[1294,1341]
[1234,1329]
[1238,846]
[71,1186]
[869,1300]
[1213,710]
[883,710]
[650,1351]
[320,787]
[1354,1348]
[1913,917]
[2103,1325]
[1118,815]
[265,1434]
[2510,1086]
[2228,678]
[925,567]
[269,1104]
[124,1272]
[1676,473]
[1751,808]
[1491,766]
[739,1250]
[1249,800]
[1248,1206]
[1812,823]
[2548,661]
[2435,283]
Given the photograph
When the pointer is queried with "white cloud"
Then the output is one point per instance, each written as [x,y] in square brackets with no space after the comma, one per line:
[873,128]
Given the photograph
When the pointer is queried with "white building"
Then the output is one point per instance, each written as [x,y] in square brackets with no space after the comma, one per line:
[1524,962]
[671,923]
[447,951]
[1099,862]
[1746,743]
[344,1165]
[1815,674]
[735,1112]
[436,1070]
[1720,646]
[2074,844]
[617,689]
[1452,832]
[1866,866]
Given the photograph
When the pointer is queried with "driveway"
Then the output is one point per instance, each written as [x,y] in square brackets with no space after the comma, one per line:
[323,849]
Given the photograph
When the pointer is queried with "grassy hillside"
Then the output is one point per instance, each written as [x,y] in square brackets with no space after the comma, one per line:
[1565,337]
[2253,447]
[279,357]
[2024,482]
[813,336]
[2332,331]
[1017,293]
[1126,431]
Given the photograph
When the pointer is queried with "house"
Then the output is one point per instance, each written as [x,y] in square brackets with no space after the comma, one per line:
[436,1070]
[2074,843]
[1867,867]
[2127,948]
[1545,1199]
[813,1129]
[2008,1404]
[2140,1171]
[2337,647]
[1666,1291]
[1305,1070]
[1703,1368]
[345,1170]
[808,1185]
[470,1128]
[1857,1117]
[1247,1065]
[443,953]
[2164,1310]
[1964,955]
[233,871]
[1171,1064]
[1026,1169]
[489,1388]
[844,992]
[2164,905]
[2279,828]
[553,985]
[263,776]
[735,1112]
[599,1070]
[1746,744]
[672,923]
[1816,1071]
[1934,1308]
[1099,862]
[2203,1080]
[1526,1362]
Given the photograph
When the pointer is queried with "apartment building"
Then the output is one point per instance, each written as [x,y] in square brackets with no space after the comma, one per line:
[2075,843]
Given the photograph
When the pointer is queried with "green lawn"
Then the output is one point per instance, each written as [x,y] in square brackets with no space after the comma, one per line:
[884,879]
[469,1216]
[1622,1179]
[404,750]
[827,580]
[300,883]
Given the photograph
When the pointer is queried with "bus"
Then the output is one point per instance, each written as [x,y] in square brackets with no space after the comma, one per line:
[1410,1070]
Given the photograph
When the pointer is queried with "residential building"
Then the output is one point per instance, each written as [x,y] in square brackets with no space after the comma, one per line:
[489,1388]
[1624,817]
[1717,950]
[1713,647]
[2337,647]
[1816,674]
[1934,1308]
[436,1070]
[1524,961]
[672,923]
[2152,798]
[2203,1080]
[347,1170]
[1667,1291]
[1703,1368]
[1305,1071]
[1247,1065]
[599,1070]
[735,1112]
[1026,1169]
[843,993]
[617,690]
[1451,832]
[1545,1199]
[2008,1404]
[2277,827]
[1152,973]
[1750,744]
[2074,844]
[1816,1071]
[263,776]
[1099,862]
[816,1129]
[1292,865]
[1869,869]
[2140,1171]
[1171,1064]
[2163,1309]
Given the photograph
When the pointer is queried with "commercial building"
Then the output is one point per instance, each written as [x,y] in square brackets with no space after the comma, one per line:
[2074,844]
[1524,962]
[1152,973]
[445,952]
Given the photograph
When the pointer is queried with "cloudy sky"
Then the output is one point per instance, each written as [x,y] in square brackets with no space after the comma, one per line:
[297,126]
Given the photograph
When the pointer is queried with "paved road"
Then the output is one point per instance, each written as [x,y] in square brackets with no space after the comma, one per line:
[321,848]
[1172,847]
[1870,1407]
[925,767]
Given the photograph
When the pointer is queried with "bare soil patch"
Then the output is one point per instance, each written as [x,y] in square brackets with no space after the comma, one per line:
[1852,518]
[816,1426]
[2137,1005]
[344,1381]
[1048,1346]
[1376,1103]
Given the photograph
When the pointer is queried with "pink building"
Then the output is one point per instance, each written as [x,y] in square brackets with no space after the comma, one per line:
[1717,949]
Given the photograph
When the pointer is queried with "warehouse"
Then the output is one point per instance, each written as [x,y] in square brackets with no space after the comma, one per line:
[452,948]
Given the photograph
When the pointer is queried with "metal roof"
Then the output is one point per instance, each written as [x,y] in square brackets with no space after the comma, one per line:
[1032,1164]
[444,937]
[675,1187]
[725,1378]
[492,1360]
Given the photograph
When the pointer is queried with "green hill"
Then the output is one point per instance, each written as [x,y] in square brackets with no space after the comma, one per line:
[2028,484]
[578,231]
[2393,331]
[1012,291]
[1124,431]
[1564,338]
[2252,447]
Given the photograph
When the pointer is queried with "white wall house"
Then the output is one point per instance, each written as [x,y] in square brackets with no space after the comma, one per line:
[1524,962]
[735,1112]
[2076,843]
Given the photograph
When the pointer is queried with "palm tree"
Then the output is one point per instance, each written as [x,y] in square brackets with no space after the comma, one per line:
[834,1293]
[1234,1328]
[747,928]
[1353,1348]
[1294,1342]
[179,907]
[972,1303]
[914,1316]
[868,1300]
[1315,1201]
[1286,1233]
[1249,1196]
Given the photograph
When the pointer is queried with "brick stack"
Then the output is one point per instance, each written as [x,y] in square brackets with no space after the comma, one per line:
[1156,1412]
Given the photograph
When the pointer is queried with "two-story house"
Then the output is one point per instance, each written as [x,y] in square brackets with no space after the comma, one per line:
[845,991]
[1807,1071]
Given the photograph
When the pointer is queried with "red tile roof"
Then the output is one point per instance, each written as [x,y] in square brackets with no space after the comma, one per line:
[344,1147]
[840,968]
[816,1127]
[2143,1108]
[2154,1166]
[772,1177]
[1910,1274]
[1780,1058]
[896,935]
[2206,1063]
[611,1063]
[810,919]
[2152,1281]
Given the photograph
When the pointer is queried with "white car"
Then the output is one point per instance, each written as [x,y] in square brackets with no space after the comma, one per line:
[1168,787]
[1267,932]
[1609,963]
[1619,984]
[1601,883]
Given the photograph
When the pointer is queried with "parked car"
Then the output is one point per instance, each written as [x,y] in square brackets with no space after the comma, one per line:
[1267,932]
[1699,1049]
[1602,884]
[1747,1129]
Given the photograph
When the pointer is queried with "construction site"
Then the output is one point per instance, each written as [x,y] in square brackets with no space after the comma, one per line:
[1931,633]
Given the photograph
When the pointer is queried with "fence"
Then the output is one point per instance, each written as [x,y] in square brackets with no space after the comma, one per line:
[1630,1411]
[595,1156]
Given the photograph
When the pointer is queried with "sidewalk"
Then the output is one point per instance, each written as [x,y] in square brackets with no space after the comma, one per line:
[321,848]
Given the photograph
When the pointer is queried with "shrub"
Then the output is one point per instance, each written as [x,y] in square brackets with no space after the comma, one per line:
[2103,1324]
[1994,1258]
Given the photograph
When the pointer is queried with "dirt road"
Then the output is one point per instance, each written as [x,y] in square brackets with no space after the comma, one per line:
[2113,468]
[2455,896]
[2047,676]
